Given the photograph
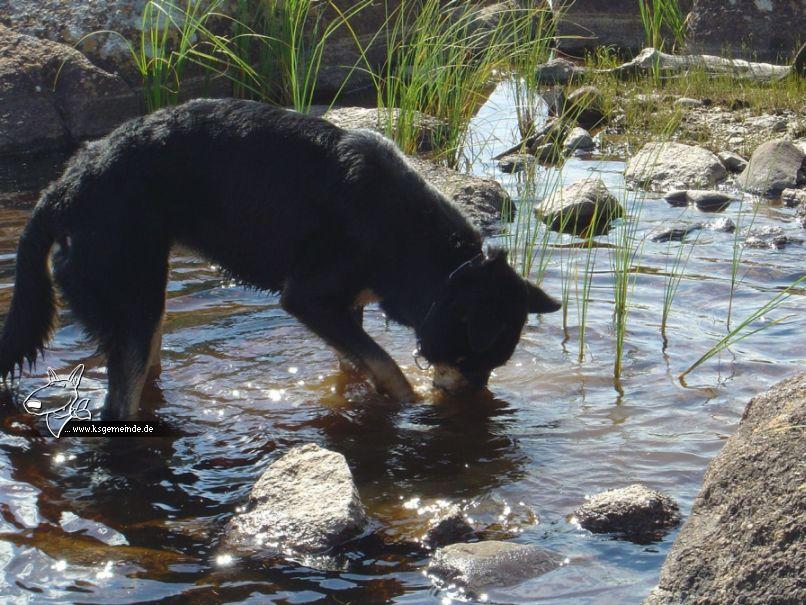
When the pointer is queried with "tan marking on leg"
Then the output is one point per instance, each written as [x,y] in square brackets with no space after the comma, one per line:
[154,360]
[365,297]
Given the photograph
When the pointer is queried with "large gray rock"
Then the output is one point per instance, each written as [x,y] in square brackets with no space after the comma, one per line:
[305,502]
[635,512]
[663,166]
[584,208]
[588,24]
[745,540]
[51,96]
[774,166]
[763,29]
[483,201]
[480,565]
[429,129]
[586,106]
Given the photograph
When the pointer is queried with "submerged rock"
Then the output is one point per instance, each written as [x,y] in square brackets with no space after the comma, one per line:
[584,208]
[663,166]
[480,565]
[732,161]
[776,165]
[744,539]
[772,237]
[449,525]
[305,502]
[578,138]
[676,234]
[636,513]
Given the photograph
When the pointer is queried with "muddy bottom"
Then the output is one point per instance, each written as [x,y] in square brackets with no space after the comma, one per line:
[137,520]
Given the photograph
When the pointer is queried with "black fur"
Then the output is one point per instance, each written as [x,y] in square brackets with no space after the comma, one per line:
[283,202]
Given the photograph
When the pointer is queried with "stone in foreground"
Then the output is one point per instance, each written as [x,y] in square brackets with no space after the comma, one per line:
[744,540]
[517,162]
[636,513]
[663,166]
[305,502]
[480,565]
[584,208]
[776,165]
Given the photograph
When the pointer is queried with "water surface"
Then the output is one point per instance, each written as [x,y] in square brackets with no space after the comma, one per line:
[137,520]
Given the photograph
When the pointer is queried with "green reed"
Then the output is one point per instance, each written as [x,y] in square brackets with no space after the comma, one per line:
[747,327]
[661,19]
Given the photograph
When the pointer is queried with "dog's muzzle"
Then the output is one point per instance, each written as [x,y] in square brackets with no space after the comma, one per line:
[451,380]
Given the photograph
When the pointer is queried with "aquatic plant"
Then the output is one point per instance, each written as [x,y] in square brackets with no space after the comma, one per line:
[279,46]
[662,18]
[440,59]
[674,273]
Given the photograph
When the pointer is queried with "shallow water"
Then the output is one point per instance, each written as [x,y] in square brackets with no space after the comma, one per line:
[136,520]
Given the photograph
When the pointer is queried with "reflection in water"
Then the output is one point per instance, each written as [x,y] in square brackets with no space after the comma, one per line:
[137,520]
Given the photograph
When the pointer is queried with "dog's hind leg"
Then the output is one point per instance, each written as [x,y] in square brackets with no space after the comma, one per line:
[339,328]
[154,361]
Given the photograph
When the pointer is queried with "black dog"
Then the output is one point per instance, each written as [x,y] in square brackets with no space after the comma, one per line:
[330,218]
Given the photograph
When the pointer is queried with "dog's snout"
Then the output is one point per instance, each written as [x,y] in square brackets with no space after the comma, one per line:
[452,380]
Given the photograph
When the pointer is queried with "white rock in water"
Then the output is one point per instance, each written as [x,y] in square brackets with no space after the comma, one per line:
[305,502]
[479,565]
[663,166]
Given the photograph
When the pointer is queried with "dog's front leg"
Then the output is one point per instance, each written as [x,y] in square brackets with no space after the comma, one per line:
[339,328]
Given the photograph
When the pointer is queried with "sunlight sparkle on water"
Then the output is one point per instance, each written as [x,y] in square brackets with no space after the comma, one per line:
[224,560]
[106,571]
[60,565]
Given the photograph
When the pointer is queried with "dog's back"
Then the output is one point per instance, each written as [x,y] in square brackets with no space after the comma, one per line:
[268,194]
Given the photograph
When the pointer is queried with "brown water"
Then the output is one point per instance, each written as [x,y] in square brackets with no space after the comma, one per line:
[137,520]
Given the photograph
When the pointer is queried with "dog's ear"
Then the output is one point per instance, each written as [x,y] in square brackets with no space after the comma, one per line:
[483,328]
[538,301]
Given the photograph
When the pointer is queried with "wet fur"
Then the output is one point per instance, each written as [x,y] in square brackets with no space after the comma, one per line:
[281,201]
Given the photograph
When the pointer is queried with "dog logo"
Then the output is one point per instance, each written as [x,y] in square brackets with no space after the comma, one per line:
[65,389]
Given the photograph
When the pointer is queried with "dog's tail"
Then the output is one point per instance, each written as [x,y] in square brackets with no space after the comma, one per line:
[33,306]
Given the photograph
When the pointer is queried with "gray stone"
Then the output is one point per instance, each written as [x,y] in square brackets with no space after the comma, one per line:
[732,161]
[773,167]
[558,71]
[40,111]
[635,512]
[684,102]
[516,162]
[704,199]
[675,234]
[793,197]
[305,502]
[771,237]
[723,225]
[664,166]
[429,129]
[483,201]
[578,138]
[584,208]
[585,105]
[481,565]
[744,539]
[591,24]
[449,525]
[758,29]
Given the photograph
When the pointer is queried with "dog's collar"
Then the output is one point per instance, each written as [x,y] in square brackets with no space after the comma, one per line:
[417,354]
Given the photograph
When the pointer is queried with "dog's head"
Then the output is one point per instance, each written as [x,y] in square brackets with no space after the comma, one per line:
[476,322]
